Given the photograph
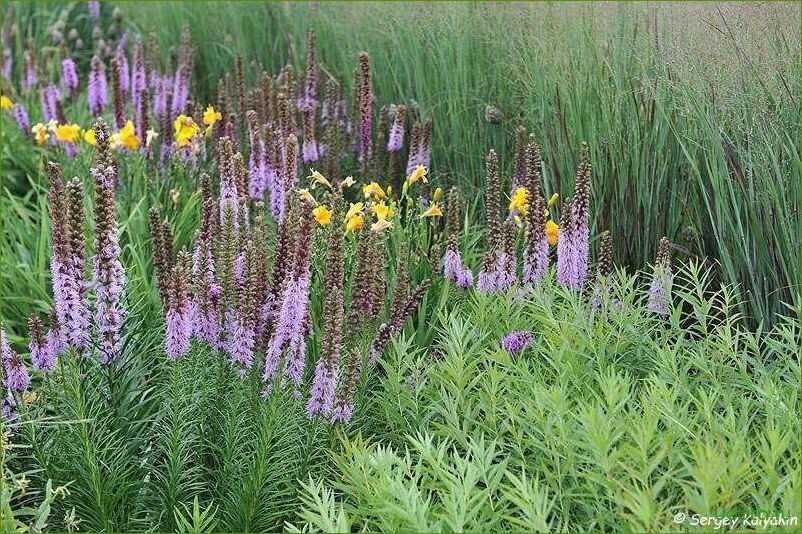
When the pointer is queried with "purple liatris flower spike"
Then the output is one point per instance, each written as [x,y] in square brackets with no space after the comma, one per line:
[178,318]
[515,342]
[15,374]
[21,116]
[455,270]
[97,88]
[29,79]
[289,332]
[180,89]
[139,82]
[573,244]
[49,97]
[124,71]
[396,139]
[242,341]
[660,289]
[536,244]
[42,357]
[311,148]
[93,7]
[69,76]
[109,274]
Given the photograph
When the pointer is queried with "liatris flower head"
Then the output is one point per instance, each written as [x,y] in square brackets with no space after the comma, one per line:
[15,374]
[117,95]
[69,76]
[29,80]
[97,90]
[396,138]
[311,149]
[42,357]
[601,290]
[519,159]
[71,296]
[177,318]
[536,238]
[573,245]
[660,289]
[109,274]
[49,98]
[309,96]
[516,342]
[21,116]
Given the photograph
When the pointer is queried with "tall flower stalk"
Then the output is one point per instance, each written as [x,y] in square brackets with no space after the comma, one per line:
[109,274]
[324,383]
[453,267]
[498,266]
[573,244]
[659,301]
[536,243]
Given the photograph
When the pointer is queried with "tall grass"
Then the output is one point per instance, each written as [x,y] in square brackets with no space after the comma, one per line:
[691,111]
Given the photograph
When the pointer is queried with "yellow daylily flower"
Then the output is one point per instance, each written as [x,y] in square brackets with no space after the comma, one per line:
[68,133]
[354,223]
[373,189]
[553,200]
[381,224]
[210,116]
[40,131]
[518,201]
[418,174]
[433,211]
[389,190]
[383,211]
[322,215]
[319,179]
[89,136]
[185,130]
[354,210]
[348,182]
[552,232]
[6,102]
[438,194]
[128,138]
[150,135]
[306,196]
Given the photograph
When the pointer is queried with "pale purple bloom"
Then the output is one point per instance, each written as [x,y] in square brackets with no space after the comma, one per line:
[178,329]
[289,333]
[535,266]
[56,341]
[29,80]
[42,355]
[572,258]
[242,341]
[660,291]
[21,116]
[515,342]
[72,308]
[342,413]
[455,270]
[48,97]
[69,76]
[139,83]
[500,277]
[180,89]
[97,88]
[396,140]
[94,10]
[109,276]
[124,71]
[15,374]
[276,184]
[159,98]
[8,63]
[324,385]
[311,151]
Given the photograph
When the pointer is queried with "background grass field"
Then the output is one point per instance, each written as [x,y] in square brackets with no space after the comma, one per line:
[692,110]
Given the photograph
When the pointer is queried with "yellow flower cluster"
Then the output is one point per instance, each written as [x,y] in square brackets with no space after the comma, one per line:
[6,102]
[185,130]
